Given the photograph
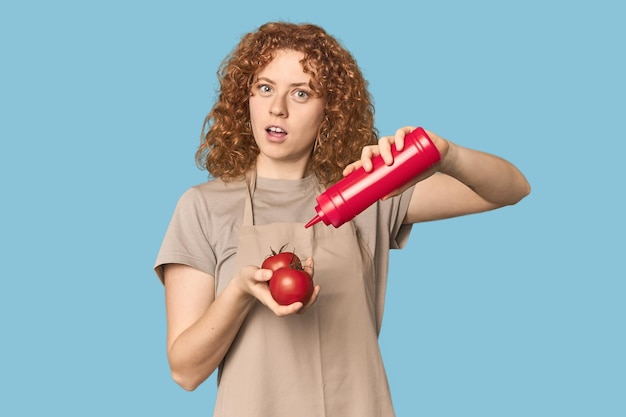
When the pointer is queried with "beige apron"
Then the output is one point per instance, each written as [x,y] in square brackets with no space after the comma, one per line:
[323,362]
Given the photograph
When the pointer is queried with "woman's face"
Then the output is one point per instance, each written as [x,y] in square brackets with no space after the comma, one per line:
[285,115]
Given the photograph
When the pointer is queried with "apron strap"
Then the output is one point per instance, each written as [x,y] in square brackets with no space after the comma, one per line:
[248,215]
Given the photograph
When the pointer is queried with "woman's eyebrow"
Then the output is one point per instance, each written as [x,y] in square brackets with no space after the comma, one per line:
[297,84]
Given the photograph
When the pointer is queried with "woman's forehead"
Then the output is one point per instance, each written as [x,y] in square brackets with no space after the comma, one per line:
[286,61]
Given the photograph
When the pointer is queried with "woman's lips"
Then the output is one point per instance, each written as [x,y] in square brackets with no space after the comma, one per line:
[276,134]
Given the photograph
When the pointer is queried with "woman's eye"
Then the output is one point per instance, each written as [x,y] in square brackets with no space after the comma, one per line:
[302,95]
[264,88]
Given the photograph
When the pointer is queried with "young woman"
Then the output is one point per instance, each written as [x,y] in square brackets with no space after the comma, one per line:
[293,116]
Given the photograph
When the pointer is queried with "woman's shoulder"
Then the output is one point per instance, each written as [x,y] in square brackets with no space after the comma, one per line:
[214,195]
[218,186]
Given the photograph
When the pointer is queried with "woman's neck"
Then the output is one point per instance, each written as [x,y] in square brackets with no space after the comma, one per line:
[281,170]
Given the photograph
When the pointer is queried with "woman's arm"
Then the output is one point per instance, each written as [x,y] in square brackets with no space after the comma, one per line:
[468,181]
[201,328]
[465,181]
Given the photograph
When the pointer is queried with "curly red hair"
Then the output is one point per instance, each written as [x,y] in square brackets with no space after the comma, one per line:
[228,148]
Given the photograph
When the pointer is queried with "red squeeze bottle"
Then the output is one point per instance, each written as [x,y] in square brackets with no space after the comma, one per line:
[357,191]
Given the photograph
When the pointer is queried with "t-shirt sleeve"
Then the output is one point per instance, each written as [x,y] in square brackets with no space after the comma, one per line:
[399,233]
[186,239]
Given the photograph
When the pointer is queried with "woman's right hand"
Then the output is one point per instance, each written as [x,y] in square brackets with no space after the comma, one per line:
[254,281]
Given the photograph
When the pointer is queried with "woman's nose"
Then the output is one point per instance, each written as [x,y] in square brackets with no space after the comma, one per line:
[279,107]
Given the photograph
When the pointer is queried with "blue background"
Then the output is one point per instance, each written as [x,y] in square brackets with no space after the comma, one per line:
[518,312]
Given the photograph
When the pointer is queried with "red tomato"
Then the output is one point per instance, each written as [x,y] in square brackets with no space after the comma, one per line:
[289,285]
[282,260]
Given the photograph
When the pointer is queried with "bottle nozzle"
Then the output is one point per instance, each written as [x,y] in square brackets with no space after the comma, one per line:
[311,222]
